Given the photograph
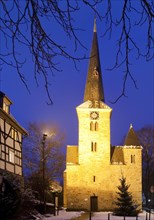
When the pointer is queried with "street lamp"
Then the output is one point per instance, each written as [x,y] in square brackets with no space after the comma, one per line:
[43,171]
[45,135]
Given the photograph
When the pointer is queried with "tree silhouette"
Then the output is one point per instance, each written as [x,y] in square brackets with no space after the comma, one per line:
[53,152]
[124,203]
[146,138]
[43,159]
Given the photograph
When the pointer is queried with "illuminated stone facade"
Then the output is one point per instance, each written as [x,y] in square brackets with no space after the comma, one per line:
[94,167]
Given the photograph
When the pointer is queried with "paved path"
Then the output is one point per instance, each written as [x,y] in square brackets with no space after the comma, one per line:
[84,216]
[63,215]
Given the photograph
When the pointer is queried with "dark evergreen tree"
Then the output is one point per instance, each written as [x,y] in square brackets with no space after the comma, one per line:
[15,199]
[125,205]
[10,198]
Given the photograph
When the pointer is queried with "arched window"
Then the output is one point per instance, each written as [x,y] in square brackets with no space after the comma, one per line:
[91,126]
[96,126]
[93,146]
[94,178]
[132,158]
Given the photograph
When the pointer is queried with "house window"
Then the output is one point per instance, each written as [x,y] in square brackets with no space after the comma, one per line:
[93,146]
[11,156]
[14,133]
[6,107]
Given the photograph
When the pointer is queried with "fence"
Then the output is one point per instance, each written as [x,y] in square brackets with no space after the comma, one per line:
[148,216]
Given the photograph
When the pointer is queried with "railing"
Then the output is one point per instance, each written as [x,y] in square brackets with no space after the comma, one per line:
[109,216]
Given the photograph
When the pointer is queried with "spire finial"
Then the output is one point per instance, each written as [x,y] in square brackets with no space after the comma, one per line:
[95,24]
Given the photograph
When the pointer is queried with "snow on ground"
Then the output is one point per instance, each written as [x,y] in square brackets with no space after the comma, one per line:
[63,215]
[104,216]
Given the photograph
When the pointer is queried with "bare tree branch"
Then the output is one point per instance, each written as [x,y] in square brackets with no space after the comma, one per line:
[126,43]
[23,25]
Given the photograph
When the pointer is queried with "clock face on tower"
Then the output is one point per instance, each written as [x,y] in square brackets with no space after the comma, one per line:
[94,115]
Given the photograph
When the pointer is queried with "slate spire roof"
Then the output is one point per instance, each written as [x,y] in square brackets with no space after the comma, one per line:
[131,138]
[94,86]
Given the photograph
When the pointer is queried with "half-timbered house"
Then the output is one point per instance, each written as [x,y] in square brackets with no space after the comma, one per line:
[11,135]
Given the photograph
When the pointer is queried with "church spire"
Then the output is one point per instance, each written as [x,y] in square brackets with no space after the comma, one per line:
[94,87]
[131,138]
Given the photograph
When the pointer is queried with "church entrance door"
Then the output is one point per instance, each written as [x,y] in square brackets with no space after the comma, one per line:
[94,203]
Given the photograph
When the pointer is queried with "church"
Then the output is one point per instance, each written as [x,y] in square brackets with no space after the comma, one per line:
[94,167]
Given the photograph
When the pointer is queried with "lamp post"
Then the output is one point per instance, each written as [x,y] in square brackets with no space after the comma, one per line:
[56,189]
[43,171]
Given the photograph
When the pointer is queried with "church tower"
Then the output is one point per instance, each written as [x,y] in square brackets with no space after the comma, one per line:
[93,168]
[94,114]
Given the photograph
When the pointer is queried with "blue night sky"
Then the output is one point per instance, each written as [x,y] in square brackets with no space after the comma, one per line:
[67,87]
